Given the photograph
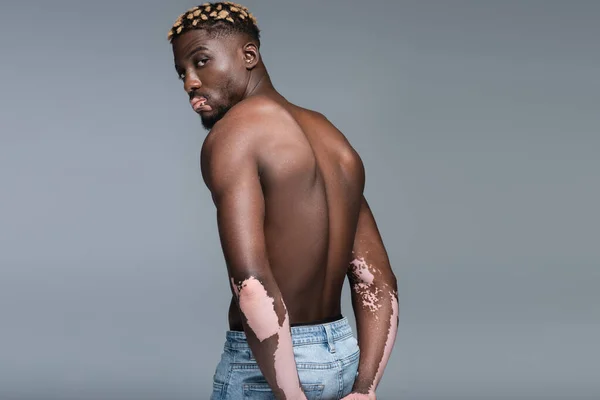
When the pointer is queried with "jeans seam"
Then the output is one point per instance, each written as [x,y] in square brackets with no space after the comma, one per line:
[340,379]
[296,342]
[299,365]
[225,388]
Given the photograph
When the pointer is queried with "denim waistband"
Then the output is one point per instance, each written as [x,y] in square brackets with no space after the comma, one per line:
[306,334]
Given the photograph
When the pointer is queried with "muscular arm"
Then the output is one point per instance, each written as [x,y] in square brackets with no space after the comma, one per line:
[375,302]
[230,170]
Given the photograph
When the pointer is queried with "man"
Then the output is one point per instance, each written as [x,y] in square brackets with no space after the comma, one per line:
[293,223]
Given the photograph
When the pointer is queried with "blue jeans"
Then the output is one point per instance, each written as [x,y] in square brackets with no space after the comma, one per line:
[326,357]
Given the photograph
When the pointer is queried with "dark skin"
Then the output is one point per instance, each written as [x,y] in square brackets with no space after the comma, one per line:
[288,188]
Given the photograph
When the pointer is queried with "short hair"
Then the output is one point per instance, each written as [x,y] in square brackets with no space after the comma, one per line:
[219,18]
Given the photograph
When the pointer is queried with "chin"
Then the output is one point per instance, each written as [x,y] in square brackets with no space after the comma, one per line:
[211,118]
[207,122]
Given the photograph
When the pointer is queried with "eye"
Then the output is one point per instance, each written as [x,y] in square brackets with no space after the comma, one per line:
[202,62]
[181,76]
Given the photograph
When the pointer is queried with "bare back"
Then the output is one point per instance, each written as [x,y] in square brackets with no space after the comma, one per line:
[312,182]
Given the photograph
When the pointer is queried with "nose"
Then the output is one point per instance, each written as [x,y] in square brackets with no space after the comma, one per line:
[191,83]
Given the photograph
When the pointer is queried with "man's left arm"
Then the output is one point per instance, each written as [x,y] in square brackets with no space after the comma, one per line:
[230,170]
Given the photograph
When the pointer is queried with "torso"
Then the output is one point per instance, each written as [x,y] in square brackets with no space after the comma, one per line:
[312,182]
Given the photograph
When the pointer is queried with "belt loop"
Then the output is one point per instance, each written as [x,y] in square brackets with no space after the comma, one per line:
[330,342]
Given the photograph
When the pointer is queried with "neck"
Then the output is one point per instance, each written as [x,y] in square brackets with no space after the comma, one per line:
[259,83]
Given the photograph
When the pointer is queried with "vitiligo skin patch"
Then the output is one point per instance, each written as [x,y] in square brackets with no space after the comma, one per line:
[389,343]
[285,364]
[381,301]
[361,271]
[259,309]
[357,396]
[364,287]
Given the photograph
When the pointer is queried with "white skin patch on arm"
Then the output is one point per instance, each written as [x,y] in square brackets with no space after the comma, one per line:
[392,331]
[358,396]
[285,363]
[371,299]
[361,271]
[258,308]
[369,294]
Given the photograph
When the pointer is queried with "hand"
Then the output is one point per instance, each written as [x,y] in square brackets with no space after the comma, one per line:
[360,396]
[302,397]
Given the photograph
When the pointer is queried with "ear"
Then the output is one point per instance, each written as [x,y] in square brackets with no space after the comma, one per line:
[251,55]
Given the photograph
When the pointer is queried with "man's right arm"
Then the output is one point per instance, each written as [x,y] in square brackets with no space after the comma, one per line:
[374,294]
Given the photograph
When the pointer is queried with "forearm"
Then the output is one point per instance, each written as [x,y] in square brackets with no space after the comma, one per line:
[374,294]
[375,302]
[267,328]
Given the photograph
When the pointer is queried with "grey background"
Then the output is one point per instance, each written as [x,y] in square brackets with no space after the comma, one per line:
[478,125]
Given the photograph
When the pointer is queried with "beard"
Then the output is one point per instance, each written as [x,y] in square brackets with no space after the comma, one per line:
[229,99]
[208,121]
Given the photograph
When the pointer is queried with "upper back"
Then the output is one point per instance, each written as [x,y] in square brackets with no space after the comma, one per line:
[312,182]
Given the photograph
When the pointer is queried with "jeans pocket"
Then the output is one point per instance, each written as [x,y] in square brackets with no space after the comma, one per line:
[262,391]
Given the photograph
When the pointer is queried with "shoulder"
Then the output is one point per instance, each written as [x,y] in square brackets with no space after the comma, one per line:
[244,121]
[235,140]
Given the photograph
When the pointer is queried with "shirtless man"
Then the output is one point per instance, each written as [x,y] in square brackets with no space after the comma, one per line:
[293,223]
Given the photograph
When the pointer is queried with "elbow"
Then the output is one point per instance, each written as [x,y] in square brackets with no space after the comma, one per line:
[252,292]
[390,285]
[249,288]
[388,279]
[393,282]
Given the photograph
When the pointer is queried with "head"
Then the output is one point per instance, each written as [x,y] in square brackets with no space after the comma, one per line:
[216,54]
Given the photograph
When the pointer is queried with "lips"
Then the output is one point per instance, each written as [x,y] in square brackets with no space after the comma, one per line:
[199,104]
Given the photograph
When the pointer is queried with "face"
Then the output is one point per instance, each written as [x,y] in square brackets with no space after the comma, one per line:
[215,72]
